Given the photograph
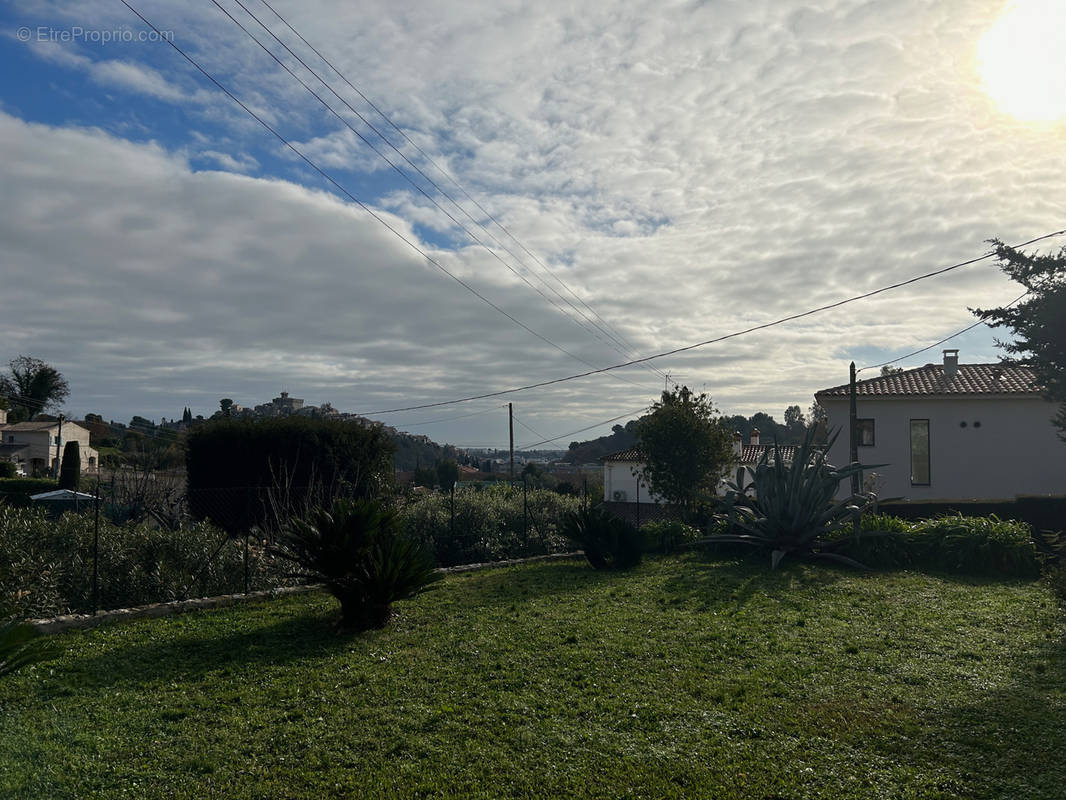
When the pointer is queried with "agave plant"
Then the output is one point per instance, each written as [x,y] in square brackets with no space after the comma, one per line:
[789,507]
[608,542]
[358,550]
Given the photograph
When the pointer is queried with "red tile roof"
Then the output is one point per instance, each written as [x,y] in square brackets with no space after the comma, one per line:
[751,453]
[970,379]
[633,455]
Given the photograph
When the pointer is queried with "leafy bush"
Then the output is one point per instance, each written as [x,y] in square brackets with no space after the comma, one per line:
[666,536]
[17,491]
[969,545]
[490,524]
[8,469]
[980,545]
[1054,577]
[359,551]
[789,507]
[608,542]
[46,564]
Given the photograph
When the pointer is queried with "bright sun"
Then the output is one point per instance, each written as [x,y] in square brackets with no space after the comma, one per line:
[1022,60]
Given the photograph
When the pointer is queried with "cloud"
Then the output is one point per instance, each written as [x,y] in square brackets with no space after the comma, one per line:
[689,170]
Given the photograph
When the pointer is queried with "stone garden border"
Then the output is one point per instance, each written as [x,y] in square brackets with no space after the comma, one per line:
[68,622]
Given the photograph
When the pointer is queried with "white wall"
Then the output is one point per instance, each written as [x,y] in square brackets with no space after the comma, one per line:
[1014,451]
[618,476]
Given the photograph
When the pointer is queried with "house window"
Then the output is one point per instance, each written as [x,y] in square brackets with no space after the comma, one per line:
[865,432]
[919,452]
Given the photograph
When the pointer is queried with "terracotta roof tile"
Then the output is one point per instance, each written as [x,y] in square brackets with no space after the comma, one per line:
[970,379]
[633,455]
[751,453]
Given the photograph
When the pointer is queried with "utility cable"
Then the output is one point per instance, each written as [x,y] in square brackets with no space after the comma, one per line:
[594,331]
[439,168]
[935,344]
[348,194]
[717,339]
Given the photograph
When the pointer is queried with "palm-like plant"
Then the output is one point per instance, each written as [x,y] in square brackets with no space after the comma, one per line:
[20,644]
[608,542]
[789,507]
[357,548]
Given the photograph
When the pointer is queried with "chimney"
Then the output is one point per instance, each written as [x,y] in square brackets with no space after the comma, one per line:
[755,436]
[3,417]
[738,444]
[951,363]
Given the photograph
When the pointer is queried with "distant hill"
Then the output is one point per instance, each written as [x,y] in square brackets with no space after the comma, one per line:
[624,436]
[621,438]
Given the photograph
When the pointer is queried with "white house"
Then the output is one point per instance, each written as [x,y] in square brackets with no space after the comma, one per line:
[37,447]
[952,432]
[621,483]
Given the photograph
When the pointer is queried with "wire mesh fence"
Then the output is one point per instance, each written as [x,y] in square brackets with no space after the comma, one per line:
[110,546]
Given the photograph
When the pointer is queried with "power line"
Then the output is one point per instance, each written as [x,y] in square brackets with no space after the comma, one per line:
[407,177]
[348,194]
[582,430]
[437,166]
[733,335]
[945,339]
[535,433]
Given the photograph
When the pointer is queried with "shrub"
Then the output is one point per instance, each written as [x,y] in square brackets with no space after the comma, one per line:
[359,551]
[980,545]
[608,542]
[46,565]
[968,545]
[17,491]
[665,536]
[789,507]
[1054,577]
[70,470]
[490,524]
[243,474]
[8,469]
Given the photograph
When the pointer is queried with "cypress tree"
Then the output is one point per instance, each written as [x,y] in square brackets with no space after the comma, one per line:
[70,470]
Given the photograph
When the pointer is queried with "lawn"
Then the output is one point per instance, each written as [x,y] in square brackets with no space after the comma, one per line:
[683,678]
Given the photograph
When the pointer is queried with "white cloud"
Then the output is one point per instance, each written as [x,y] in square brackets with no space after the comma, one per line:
[689,170]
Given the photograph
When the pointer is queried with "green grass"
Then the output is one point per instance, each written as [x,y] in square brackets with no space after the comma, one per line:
[683,678]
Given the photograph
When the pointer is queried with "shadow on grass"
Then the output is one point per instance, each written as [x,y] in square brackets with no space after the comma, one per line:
[151,651]
[1009,742]
[535,581]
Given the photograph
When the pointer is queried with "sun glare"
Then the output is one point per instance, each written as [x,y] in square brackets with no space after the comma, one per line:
[1022,60]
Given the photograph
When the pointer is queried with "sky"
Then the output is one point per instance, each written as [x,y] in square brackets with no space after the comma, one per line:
[575,185]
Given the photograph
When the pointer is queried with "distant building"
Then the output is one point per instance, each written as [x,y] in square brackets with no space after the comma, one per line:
[36,448]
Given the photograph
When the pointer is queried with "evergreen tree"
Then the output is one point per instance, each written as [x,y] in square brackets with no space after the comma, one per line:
[70,470]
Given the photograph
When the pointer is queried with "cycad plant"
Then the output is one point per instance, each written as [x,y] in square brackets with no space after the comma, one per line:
[789,507]
[608,542]
[20,644]
[357,548]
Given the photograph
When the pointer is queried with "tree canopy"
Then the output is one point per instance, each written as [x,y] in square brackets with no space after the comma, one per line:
[1037,321]
[687,448]
[31,386]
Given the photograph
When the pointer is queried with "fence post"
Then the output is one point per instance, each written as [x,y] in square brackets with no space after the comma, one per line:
[246,578]
[451,523]
[638,502]
[96,552]
[525,513]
